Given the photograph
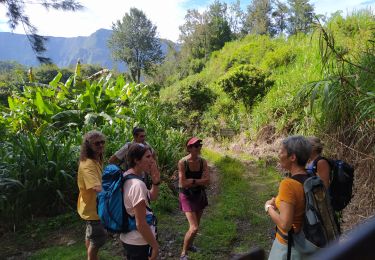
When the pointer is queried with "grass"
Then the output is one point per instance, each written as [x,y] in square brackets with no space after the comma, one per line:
[237,222]
[73,252]
[233,224]
[60,237]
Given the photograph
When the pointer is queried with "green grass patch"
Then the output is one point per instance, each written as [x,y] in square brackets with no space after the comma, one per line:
[73,252]
[237,222]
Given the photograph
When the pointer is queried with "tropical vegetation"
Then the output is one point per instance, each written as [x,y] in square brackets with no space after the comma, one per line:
[277,69]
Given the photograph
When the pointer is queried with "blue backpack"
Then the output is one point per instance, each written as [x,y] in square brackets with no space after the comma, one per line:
[110,201]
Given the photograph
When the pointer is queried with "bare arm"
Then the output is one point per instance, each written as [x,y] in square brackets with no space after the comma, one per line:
[323,169]
[155,178]
[283,218]
[144,228]
[182,181]
[97,188]
[114,160]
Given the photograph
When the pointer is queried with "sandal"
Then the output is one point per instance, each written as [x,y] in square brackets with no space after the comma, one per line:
[184,257]
[193,249]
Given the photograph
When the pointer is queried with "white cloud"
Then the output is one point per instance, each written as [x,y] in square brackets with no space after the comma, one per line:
[167,15]
[346,6]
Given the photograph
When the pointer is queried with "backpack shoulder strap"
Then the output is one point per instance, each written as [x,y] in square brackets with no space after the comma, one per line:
[301,178]
[131,176]
[201,164]
[186,164]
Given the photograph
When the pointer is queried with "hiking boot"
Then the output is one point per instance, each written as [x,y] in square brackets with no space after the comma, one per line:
[184,257]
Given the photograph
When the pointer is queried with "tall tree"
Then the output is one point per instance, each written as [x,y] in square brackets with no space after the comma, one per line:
[207,32]
[236,19]
[218,26]
[193,34]
[280,16]
[134,41]
[16,15]
[259,17]
[301,14]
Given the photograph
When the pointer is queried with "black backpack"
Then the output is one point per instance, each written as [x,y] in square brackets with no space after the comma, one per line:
[341,182]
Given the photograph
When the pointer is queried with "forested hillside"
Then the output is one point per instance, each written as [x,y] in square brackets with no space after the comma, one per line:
[311,84]
[238,80]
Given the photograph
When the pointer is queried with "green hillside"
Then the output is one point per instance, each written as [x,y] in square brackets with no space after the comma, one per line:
[294,67]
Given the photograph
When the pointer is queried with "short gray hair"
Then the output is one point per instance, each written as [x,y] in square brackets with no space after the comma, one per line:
[300,146]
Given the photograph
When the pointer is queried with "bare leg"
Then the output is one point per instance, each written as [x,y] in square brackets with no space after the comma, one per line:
[193,229]
[92,253]
[199,215]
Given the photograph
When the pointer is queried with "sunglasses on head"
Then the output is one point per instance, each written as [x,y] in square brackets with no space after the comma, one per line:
[97,143]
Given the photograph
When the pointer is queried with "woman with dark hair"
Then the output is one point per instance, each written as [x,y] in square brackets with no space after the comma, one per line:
[140,243]
[317,164]
[193,178]
[287,209]
[89,184]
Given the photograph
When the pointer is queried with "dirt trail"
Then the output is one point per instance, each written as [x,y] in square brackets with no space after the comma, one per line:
[171,239]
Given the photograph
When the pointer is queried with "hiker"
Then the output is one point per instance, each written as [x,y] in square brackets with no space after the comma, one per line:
[119,158]
[314,164]
[193,178]
[287,209]
[89,184]
[141,243]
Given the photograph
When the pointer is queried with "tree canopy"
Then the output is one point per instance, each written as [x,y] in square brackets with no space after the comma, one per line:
[16,15]
[134,41]
[258,19]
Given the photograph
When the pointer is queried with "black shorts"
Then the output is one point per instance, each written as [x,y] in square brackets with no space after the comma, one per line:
[95,233]
[135,252]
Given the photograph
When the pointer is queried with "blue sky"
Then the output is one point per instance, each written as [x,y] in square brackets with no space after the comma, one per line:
[166,14]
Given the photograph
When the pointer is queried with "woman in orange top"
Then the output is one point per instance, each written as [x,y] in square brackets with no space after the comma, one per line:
[287,209]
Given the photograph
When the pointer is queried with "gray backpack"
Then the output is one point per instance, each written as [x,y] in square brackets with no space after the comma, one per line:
[319,226]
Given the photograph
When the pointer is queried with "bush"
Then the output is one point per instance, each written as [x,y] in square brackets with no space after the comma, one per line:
[245,83]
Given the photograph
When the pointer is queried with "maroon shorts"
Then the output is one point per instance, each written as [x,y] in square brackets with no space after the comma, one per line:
[194,202]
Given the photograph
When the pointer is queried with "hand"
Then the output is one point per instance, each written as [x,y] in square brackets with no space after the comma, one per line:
[155,252]
[271,202]
[154,172]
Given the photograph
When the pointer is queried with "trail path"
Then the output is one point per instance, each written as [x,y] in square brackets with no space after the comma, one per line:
[248,234]
[170,235]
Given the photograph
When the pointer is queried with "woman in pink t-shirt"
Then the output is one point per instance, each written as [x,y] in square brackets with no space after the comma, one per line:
[140,243]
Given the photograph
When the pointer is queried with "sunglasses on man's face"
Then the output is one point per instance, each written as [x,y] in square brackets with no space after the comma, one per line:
[99,143]
[197,145]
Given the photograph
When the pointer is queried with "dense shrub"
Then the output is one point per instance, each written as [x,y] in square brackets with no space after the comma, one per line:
[245,83]
[44,126]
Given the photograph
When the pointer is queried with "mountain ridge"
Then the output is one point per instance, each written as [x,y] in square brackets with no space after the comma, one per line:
[64,51]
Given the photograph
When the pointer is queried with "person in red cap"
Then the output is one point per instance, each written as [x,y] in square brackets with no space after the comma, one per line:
[193,178]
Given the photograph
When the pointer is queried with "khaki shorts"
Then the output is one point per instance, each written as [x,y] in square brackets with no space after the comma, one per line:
[95,233]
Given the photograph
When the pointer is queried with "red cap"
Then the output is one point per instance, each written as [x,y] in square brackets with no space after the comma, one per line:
[193,140]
